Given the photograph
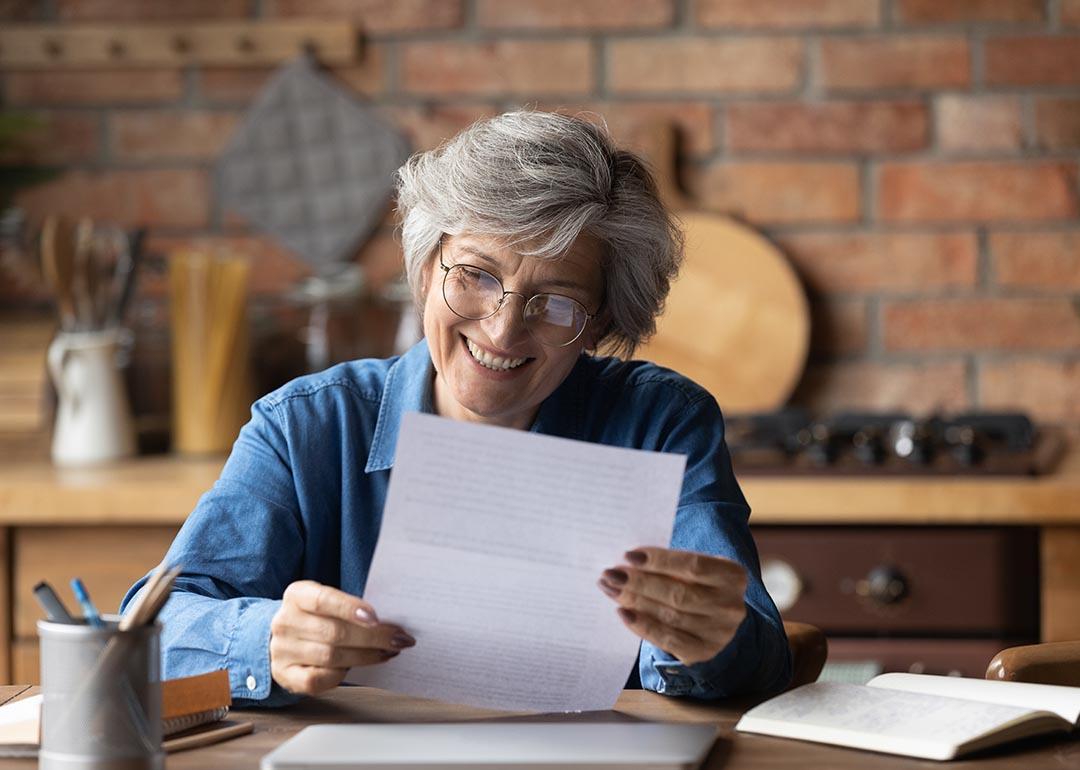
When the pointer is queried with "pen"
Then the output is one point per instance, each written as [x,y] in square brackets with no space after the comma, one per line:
[89,610]
[50,602]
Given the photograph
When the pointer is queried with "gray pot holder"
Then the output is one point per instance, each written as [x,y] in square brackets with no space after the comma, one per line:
[311,165]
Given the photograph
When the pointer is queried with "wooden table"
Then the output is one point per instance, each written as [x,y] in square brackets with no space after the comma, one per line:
[732,751]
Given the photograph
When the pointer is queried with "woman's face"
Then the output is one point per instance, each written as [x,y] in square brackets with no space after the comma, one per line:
[509,394]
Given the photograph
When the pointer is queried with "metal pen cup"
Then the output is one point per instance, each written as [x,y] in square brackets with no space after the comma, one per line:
[102,697]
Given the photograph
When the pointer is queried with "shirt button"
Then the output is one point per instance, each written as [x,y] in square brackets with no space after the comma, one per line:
[251,683]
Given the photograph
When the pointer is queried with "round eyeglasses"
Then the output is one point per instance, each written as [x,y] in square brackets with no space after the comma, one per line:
[474,294]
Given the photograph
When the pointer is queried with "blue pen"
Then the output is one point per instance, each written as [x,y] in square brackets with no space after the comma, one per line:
[89,610]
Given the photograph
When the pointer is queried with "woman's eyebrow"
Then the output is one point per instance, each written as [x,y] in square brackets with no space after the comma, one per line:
[556,283]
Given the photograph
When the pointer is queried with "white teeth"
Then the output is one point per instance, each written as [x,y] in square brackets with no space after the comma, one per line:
[497,363]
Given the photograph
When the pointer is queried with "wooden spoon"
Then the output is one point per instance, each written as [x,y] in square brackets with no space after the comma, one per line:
[58,265]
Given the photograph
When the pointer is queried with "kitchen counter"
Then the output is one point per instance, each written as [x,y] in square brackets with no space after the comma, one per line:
[163,490]
[109,525]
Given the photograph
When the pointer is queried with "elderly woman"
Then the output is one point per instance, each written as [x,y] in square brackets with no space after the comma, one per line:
[530,240]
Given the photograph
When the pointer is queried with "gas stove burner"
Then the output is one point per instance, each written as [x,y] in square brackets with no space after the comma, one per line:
[792,440]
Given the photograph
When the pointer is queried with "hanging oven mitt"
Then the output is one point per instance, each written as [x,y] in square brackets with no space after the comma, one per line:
[312,165]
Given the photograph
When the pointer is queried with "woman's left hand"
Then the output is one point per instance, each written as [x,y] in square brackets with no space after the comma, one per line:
[687,604]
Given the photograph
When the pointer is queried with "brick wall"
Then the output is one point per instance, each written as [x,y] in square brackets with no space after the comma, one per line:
[917,159]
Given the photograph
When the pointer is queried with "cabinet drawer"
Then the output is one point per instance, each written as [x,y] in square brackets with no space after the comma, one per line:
[108,559]
[970,581]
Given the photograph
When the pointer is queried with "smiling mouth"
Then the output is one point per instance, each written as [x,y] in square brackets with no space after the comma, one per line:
[495,363]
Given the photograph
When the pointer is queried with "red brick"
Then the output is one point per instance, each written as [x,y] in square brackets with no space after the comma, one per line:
[498,67]
[1057,123]
[382,260]
[779,193]
[138,136]
[150,10]
[55,138]
[920,388]
[241,84]
[430,125]
[838,327]
[377,16]
[787,14]
[704,65]
[846,127]
[20,10]
[874,262]
[896,62]
[978,123]
[1047,260]
[977,191]
[168,197]
[981,324]
[277,268]
[965,11]
[575,14]
[1070,13]
[93,86]
[1048,390]
[1033,61]
[630,122]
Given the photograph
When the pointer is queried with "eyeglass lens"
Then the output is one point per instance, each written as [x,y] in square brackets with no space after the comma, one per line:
[475,294]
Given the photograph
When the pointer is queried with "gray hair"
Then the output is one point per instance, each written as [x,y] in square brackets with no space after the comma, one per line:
[537,181]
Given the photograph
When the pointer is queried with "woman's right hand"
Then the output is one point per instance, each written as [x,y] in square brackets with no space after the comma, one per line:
[320,632]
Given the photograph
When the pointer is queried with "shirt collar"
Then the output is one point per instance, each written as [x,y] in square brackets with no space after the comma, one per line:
[408,388]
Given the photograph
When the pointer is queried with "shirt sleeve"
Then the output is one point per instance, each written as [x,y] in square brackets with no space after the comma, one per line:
[713,518]
[239,549]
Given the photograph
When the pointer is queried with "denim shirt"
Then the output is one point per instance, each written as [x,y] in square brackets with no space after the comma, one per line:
[301,497]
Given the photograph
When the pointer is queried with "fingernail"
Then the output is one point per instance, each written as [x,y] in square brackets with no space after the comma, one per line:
[387,654]
[637,558]
[365,616]
[616,577]
[608,589]
[401,641]
[628,615]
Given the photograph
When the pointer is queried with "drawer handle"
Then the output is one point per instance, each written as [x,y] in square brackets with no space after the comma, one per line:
[883,585]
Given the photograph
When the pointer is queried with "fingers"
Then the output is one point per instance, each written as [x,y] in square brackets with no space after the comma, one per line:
[292,651]
[309,680]
[718,624]
[323,600]
[686,565]
[674,592]
[687,647]
[296,623]
[320,632]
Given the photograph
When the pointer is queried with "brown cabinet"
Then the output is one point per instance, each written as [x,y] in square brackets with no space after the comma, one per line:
[107,558]
[933,599]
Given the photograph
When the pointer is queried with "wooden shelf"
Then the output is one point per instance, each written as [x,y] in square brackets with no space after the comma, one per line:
[236,44]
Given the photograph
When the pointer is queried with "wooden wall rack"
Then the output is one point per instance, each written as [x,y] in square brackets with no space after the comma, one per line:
[239,44]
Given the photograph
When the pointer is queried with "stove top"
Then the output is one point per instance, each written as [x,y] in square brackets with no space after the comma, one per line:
[792,441]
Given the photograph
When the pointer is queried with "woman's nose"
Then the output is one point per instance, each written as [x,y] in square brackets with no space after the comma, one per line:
[506,326]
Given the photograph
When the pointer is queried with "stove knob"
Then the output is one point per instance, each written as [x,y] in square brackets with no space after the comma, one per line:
[883,585]
[868,447]
[782,582]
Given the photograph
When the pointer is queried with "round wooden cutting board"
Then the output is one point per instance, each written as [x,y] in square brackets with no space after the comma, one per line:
[737,320]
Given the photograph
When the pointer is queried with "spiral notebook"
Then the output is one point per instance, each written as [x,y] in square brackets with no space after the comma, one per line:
[186,703]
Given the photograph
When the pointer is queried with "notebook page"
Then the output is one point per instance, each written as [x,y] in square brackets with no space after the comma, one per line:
[491,545]
[878,719]
[1063,701]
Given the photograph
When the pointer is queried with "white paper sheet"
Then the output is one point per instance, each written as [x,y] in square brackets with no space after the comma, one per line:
[491,545]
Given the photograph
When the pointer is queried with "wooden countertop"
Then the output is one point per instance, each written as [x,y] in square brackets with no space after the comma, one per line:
[163,490]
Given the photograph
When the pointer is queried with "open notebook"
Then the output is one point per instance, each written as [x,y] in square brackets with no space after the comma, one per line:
[932,717]
[185,703]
